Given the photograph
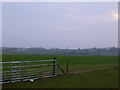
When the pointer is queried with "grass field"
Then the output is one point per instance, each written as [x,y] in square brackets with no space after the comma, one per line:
[100,79]
[75,62]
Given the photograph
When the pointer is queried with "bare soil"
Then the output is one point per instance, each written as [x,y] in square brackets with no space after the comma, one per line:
[87,70]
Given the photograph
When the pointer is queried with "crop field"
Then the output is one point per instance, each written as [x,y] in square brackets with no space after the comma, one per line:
[103,67]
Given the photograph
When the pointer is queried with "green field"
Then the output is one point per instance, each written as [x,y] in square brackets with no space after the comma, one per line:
[105,79]
[75,62]
[101,79]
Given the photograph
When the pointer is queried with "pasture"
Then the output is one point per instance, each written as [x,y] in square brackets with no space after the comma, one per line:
[75,63]
[101,79]
[98,78]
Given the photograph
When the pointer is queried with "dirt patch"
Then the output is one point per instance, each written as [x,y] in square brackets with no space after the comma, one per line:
[78,72]
[82,71]
[88,70]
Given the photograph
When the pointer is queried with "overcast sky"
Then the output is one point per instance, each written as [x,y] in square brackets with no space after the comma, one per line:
[61,25]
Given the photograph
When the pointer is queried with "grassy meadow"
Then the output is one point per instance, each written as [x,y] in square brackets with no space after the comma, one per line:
[101,79]
[75,63]
[97,79]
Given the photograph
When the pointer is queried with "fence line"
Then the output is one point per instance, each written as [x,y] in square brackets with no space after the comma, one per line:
[26,70]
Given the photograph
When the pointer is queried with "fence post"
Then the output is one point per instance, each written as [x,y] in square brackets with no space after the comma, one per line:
[54,67]
[67,66]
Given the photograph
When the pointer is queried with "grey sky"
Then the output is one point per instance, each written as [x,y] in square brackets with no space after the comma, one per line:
[61,25]
[0,24]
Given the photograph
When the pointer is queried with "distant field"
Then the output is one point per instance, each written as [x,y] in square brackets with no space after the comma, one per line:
[100,79]
[76,63]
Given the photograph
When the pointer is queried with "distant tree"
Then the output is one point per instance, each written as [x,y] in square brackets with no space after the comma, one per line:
[41,48]
[112,49]
[94,48]
[78,48]
[67,48]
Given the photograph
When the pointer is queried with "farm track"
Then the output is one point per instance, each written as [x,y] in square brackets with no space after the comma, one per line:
[89,70]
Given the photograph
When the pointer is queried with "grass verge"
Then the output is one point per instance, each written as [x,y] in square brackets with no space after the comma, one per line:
[98,79]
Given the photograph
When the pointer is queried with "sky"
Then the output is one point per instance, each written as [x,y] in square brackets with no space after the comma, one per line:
[0,24]
[60,24]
